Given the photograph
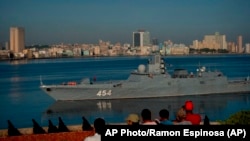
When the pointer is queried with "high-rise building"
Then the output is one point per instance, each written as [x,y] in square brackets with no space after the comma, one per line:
[155,41]
[141,38]
[239,44]
[195,44]
[247,50]
[216,41]
[17,39]
[7,46]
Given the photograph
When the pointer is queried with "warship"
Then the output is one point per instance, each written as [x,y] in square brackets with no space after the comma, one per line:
[150,81]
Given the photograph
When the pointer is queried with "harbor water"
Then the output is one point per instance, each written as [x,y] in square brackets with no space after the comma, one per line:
[21,99]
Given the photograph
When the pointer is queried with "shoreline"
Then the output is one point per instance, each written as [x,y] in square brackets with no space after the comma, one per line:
[171,55]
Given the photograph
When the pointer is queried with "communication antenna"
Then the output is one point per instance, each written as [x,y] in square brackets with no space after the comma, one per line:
[199,67]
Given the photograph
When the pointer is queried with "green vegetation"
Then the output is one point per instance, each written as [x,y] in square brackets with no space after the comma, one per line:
[38,46]
[239,118]
[207,50]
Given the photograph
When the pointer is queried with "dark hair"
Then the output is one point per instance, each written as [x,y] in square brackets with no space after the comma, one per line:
[164,113]
[99,125]
[146,114]
[135,123]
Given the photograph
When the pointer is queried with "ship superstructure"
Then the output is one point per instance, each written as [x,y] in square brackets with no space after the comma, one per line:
[150,80]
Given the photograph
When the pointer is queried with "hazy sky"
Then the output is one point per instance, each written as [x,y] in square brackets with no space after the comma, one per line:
[87,21]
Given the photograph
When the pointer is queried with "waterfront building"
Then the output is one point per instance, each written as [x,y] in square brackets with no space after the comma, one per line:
[239,44]
[195,44]
[215,41]
[170,48]
[96,51]
[155,41]
[141,38]
[7,47]
[4,54]
[247,50]
[17,39]
[231,47]
[55,51]
[179,49]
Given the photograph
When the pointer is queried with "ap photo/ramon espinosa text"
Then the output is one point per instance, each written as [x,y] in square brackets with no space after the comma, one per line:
[225,132]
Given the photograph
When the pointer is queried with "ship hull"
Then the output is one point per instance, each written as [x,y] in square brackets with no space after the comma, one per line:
[150,81]
[148,89]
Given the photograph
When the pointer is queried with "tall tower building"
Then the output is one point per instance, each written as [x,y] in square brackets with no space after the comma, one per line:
[17,39]
[247,48]
[141,38]
[239,44]
[155,41]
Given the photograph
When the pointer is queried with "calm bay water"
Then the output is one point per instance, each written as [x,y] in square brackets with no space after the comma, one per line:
[21,99]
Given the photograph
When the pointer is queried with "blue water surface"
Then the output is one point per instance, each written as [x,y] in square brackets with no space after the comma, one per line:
[21,100]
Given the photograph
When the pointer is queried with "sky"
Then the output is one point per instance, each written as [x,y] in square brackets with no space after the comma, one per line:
[88,21]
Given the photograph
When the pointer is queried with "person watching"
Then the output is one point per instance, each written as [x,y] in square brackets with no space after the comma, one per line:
[194,118]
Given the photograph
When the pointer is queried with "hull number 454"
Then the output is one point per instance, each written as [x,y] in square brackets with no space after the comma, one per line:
[104,93]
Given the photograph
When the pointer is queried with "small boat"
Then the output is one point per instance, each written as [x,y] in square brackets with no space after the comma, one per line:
[150,81]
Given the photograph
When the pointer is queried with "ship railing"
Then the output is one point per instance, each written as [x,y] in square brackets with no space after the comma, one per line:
[239,80]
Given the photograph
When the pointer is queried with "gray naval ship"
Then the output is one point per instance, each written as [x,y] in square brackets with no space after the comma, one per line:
[150,81]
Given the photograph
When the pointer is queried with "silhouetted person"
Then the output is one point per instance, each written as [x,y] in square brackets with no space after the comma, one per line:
[133,119]
[52,128]
[206,121]
[164,117]
[99,126]
[12,130]
[181,117]
[62,127]
[37,129]
[146,117]
[86,125]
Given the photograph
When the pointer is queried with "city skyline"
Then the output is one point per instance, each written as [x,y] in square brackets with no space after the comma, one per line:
[50,22]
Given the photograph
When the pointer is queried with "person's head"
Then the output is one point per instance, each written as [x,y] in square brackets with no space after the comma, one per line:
[189,106]
[133,119]
[181,114]
[164,114]
[99,125]
[146,114]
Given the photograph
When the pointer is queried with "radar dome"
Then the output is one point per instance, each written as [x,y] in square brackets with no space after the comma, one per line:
[141,68]
[203,69]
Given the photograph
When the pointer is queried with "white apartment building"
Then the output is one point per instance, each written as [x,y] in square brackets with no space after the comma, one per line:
[215,41]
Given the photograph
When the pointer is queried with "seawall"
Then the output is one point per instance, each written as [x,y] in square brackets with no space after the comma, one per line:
[75,134]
